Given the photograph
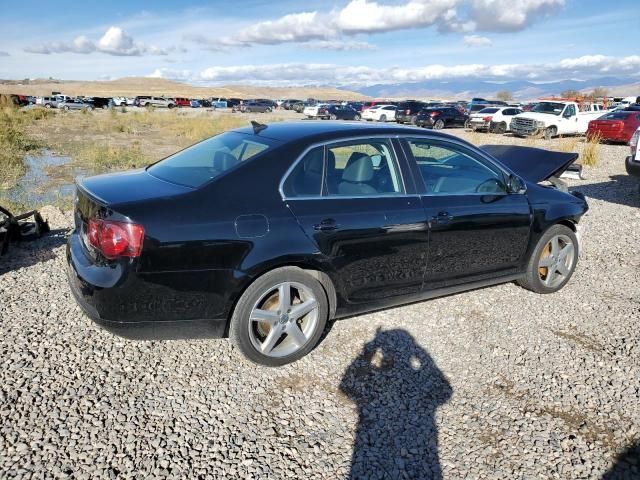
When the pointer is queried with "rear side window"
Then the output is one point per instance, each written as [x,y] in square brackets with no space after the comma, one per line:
[206,160]
[448,170]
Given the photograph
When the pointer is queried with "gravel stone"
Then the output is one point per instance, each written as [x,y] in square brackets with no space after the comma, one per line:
[495,383]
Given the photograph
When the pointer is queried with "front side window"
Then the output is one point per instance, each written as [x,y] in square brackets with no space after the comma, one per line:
[362,168]
[449,170]
[204,161]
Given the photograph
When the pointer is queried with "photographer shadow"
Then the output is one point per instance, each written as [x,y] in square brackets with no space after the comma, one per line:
[397,388]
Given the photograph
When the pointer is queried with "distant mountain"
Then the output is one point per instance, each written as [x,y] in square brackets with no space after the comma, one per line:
[520,89]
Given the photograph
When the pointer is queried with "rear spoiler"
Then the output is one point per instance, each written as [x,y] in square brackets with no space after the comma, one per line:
[535,164]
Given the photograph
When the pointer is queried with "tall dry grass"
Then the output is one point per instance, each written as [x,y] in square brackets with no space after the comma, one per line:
[591,151]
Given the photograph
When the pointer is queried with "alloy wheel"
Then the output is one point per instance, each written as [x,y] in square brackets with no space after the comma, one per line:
[283,319]
[557,261]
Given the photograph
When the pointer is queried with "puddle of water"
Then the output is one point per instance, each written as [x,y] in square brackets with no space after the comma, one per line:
[48,181]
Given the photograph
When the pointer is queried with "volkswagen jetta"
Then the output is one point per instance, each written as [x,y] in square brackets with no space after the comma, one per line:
[266,233]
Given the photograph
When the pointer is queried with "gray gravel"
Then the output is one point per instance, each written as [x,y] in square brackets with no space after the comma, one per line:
[492,384]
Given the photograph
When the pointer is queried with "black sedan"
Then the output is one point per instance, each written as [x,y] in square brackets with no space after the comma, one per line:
[441,117]
[341,112]
[266,233]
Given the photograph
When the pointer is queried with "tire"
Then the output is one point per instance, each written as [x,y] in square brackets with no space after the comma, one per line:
[550,132]
[439,125]
[262,299]
[247,110]
[47,105]
[544,253]
[466,124]
[500,128]
[268,110]
[357,118]
[332,117]
[66,107]
[383,118]
[171,105]
[413,120]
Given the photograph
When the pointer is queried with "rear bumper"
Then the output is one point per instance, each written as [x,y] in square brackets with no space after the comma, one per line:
[128,307]
[632,166]
[479,124]
[424,122]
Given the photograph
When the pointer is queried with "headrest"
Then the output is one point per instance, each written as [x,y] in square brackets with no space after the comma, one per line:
[223,161]
[313,161]
[359,168]
[331,161]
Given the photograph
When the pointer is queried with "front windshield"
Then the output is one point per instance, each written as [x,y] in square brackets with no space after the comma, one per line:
[549,107]
[196,165]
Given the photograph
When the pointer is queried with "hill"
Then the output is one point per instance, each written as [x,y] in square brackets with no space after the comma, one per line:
[132,86]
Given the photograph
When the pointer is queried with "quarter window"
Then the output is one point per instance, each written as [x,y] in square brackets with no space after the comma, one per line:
[449,170]
[305,180]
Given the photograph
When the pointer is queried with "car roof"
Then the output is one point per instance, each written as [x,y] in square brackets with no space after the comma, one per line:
[312,131]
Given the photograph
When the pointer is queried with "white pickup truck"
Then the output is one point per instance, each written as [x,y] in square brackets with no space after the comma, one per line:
[550,118]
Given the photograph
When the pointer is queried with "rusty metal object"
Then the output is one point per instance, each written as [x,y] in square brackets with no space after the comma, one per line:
[17,228]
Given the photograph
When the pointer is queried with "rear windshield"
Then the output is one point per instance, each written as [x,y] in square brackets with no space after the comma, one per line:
[206,160]
[615,116]
[489,110]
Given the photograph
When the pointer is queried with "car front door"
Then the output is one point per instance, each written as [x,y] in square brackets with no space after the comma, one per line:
[353,200]
[477,230]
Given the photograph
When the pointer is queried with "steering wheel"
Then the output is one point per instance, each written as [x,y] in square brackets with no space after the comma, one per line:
[491,185]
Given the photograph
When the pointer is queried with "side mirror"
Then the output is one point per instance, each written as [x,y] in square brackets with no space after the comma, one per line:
[515,184]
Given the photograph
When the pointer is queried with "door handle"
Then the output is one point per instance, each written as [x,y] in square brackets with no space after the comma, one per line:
[326,225]
[442,218]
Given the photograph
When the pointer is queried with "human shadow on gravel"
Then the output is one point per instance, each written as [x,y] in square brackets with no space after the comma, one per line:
[621,189]
[27,253]
[627,466]
[397,387]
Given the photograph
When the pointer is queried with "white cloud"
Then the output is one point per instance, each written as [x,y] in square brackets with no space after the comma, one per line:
[368,16]
[320,74]
[511,15]
[115,41]
[339,45]
[477,41]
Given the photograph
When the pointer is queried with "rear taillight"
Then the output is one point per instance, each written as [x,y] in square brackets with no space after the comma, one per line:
[407,112]
[487,118]
[633,143]
[435,114]
[115,239]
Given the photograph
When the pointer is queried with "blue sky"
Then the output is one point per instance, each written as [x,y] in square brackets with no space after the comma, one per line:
[350,42]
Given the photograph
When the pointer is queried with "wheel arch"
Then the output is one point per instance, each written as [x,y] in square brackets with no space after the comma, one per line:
[316,271]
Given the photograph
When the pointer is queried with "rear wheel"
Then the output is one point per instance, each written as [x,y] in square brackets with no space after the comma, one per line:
[280,317]
[357,117]
[383,118]
[268,110]
[500,128]
[553,261]
[333,117]
[439,125]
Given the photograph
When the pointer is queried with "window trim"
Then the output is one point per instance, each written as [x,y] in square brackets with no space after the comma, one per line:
[325,144]
[457,146]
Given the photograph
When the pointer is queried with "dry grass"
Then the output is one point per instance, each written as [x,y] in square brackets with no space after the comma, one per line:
[568,144]
[15,143]
[591,151]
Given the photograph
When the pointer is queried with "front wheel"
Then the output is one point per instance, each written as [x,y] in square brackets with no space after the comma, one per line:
[333,117]
[268,110]
[553,261]
[280,317]
[550,132]
[357,117]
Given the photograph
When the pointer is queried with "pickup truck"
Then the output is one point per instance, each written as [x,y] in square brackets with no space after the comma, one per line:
[551,118]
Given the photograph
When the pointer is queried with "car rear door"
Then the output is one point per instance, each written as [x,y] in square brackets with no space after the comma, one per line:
[354,199]
[477,229]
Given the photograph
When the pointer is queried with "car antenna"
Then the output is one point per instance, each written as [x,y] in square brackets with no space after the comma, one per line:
[258,127]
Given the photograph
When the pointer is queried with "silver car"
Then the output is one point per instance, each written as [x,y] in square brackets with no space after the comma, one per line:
[75,105]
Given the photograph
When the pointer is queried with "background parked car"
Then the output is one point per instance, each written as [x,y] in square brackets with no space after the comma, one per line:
[407,112]
[74,105]
[632,163]
[617,126]
[100,102]
[442,117]
[318,110]
[493,119]
[150,101]
[182,102]
[380,113]
[289,103]
[256,106]
[342,112]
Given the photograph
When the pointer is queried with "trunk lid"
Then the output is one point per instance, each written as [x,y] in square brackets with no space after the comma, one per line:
[130,186]
[532,164]
[607,125]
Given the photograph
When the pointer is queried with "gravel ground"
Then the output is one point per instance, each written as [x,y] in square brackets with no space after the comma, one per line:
[496,383]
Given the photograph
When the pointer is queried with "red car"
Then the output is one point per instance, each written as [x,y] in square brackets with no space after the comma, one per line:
[617,126]
[183,102]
